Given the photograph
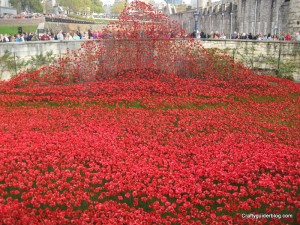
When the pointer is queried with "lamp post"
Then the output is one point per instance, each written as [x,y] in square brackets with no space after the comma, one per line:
[0,8]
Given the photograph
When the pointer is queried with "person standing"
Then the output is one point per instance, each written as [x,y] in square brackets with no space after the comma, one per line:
[223,36]
[75,36]
[79,34]
[2,38]
[35,38]
[68,37]
[297,37]
[19,38]
[90,34]
[45,37]
[60,36]
[202,35]
[29,36]
[287,37]
[234,35]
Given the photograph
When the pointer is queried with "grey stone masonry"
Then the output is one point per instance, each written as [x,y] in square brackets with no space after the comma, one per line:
[20,22]
[294,16]
[280,51]
[245,16]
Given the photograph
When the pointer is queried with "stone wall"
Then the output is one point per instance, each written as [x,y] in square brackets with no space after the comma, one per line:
[55,27]
[20,22]
[281,52]
[244,16]
[265,55]
[26,50]
[7,11]
[71,27]
[294,16]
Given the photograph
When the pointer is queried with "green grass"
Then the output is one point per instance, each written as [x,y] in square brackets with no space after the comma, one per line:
[73,16]
[14,29]
[99,20]
[105,20]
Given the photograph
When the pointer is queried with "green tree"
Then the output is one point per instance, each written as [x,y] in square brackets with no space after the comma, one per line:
[27,5]
[69,5]
[48,7]
[97,6]
[76,6]
[118,7]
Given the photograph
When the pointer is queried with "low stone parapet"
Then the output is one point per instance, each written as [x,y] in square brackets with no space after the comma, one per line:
[266,55]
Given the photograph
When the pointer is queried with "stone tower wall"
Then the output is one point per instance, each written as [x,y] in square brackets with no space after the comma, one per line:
[244,16]
[294,16]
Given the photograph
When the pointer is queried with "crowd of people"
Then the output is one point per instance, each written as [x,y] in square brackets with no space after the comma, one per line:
[77,35]
[32,16]
[23,16]
[50,36]
[249,36]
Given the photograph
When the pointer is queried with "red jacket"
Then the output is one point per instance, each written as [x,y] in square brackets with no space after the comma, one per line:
[287,37]
[45,37]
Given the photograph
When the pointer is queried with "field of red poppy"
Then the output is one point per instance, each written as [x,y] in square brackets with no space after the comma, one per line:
[148,132]
[158,149]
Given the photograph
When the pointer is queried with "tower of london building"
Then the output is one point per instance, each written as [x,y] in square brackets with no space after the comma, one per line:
[243,16]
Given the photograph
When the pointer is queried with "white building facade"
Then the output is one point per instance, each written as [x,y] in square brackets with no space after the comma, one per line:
[6,9]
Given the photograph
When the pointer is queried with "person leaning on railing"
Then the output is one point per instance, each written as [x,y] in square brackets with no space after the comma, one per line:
[34,38]
[288,37]
[45,37]
[59,36]
[19,38]
[3,38]
[75,36]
